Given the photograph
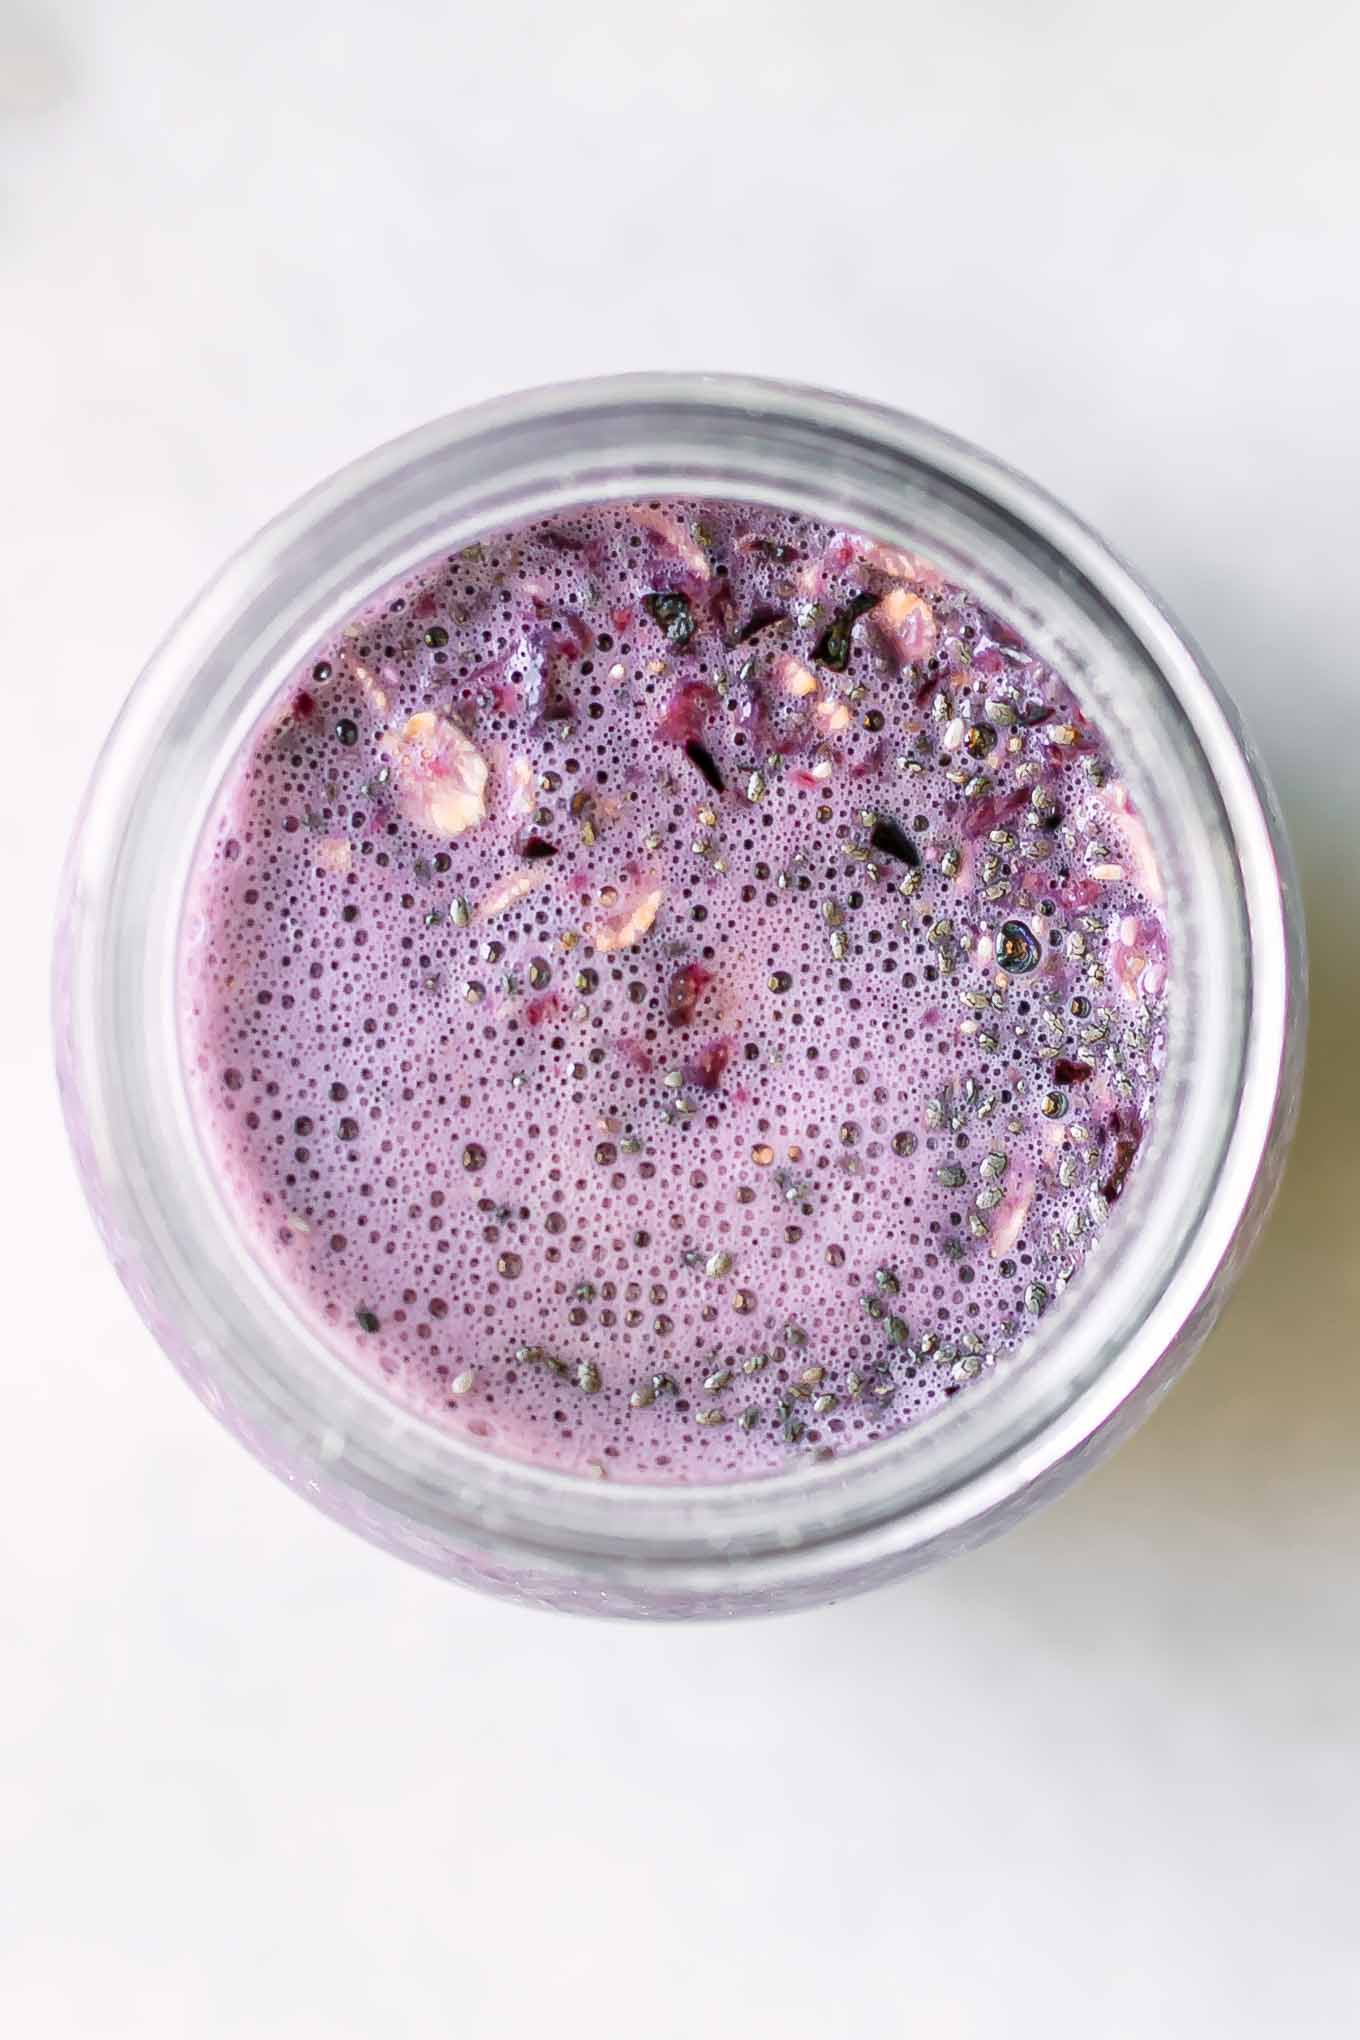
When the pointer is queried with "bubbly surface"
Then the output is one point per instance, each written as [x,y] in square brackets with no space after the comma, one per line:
[673,989]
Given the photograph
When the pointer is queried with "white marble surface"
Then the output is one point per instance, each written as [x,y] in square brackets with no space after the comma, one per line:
[1099,1780]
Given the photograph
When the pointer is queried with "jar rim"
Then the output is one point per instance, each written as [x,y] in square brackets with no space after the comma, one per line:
[399,1476]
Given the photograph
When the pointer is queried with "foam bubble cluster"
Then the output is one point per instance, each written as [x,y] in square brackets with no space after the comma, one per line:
[674,989]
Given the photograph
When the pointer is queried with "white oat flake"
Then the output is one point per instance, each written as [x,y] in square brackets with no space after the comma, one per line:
[439,774]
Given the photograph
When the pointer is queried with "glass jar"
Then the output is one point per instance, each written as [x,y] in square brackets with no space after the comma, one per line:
[1091,1369]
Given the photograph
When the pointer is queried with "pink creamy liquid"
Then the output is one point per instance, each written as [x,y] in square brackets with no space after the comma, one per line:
[674,989]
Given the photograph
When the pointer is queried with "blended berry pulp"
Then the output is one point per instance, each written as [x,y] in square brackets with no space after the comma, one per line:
[673,989]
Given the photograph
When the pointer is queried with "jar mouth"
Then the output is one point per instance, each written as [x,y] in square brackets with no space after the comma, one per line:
[397,1474]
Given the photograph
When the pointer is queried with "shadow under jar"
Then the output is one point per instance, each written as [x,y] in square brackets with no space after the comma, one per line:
[823,1524]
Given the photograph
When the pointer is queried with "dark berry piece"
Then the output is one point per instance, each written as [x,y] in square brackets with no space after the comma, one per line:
[706,1070]
[1128,1139]
[683,993]
[834,646]
[703,760]
[761,618]
[671,612]
[891,840]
